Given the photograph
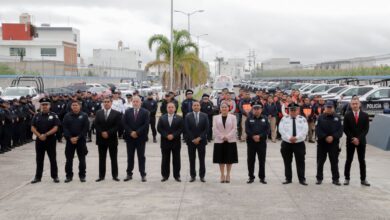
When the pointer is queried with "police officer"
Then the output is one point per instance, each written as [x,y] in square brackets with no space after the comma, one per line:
[329,130]
[151,105]
[293,129]
[17,125]
[44,126]
[7,132]
[186,105]
[257,128]
[206,106]
[2,125]
[94,105]
[75,126]
[59,107]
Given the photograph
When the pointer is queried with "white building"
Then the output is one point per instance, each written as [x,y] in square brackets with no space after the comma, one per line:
[234,68]
[116,62]
[39,43]
[280,64]
[358,62]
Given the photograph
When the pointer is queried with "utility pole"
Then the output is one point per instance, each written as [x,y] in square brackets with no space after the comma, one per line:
[252,59]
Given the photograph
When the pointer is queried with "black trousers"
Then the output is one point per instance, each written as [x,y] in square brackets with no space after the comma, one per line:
[210,132]
[6,137]
[361,152]
[323,150]
[41,147]
[166,152]
[70,149]
[132,146]
[261,150]
[113,150]
[298,150]
[59,133]
[17,127]
[29,133]
[192,148]
[239,127]
[152,123]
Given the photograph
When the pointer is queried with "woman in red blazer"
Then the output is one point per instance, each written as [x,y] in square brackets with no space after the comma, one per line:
[225,141]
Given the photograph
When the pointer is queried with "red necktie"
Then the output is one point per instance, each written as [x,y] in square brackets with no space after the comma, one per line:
[135,114]
[356,117]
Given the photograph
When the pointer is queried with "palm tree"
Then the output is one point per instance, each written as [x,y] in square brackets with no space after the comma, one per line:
[186,62]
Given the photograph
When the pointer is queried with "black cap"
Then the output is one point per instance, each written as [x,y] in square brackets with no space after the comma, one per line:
[189,91]
[293,106]
[329,104]
[94,94]
[44,100]
[129,95]
[205,95]
[150,93]
[257,106]
[22,98]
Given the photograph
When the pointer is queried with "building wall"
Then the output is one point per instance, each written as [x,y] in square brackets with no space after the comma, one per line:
[234,68]
[16,32]
[116,58]
[33,53]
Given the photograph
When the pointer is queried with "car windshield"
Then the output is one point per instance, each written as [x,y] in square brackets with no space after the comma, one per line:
[16,92]
[309,87]
[336,89]
[124,86]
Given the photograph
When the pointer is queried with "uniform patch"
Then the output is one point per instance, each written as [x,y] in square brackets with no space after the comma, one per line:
[336,119]
[263,120]
[252,121]
[50,117]
[80,117]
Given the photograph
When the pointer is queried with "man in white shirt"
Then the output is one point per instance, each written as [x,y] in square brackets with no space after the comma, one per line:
[293,129]
[117,103]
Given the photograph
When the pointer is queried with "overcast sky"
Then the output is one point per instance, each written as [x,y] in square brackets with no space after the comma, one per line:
[304,30]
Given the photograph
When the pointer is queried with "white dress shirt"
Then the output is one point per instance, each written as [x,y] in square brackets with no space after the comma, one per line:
[106,113]
[286,128]
[118,105]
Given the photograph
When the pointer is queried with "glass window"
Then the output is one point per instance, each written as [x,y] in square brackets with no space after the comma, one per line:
[48,52]
[364,90]
[14,51]
[381,94]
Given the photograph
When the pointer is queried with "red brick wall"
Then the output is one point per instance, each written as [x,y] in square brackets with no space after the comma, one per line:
[70,55]
[16,31]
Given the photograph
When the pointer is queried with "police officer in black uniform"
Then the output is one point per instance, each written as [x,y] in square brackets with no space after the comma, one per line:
[329,130]
[151,105]
[6,138]
[32,112]
[2,126]
[257,128]
[94,105]
[44,126]
[75,126]
[206,106]
[57,106]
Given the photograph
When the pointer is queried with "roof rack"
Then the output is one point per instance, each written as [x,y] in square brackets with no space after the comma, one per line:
[37,80]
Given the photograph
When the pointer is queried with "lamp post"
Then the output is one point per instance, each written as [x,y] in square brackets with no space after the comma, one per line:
[188,14]
[171,50]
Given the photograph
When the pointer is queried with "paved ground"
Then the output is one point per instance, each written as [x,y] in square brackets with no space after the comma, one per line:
[211,200]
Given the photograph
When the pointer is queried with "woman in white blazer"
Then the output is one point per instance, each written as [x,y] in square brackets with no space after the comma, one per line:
[225,141]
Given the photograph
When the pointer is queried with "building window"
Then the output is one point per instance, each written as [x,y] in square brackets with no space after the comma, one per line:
[75,37]
[13,51]
[48,52]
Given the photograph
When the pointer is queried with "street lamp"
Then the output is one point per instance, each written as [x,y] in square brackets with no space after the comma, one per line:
[189,15]
[199,36]
[171,50]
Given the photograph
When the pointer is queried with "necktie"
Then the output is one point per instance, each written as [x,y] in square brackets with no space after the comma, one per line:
[189,106]
[135,114]
[356,117]
[170,120]
[196,118]
[105,114]
[294,128]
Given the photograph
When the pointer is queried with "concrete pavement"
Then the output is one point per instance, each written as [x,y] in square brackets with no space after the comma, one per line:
[172,200]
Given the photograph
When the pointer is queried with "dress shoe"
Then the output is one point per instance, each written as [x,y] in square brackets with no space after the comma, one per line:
[89,141]
[287,182]
[35,180]
[128,178]
[56,180]
[116,179]
[203,180]
[319,182]
[263,181]
[336,182]
[311,141]
[82,179]
[346,182]
[178,179]
[143,179]
[164,179]
[250,181]
[365,183]
[68,180]
[99,180]
[303,182]
[192,179]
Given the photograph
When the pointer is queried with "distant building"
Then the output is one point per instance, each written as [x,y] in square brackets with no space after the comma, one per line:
[121,62]
[24,42]
[280,64]
[234,68]
[358,62]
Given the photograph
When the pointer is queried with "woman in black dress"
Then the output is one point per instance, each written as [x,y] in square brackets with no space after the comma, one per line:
[225,142]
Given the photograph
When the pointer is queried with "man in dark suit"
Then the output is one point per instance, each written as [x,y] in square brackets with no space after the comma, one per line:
[196,127]
[170,127]
[136,124]
[107,121]
[356,126]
